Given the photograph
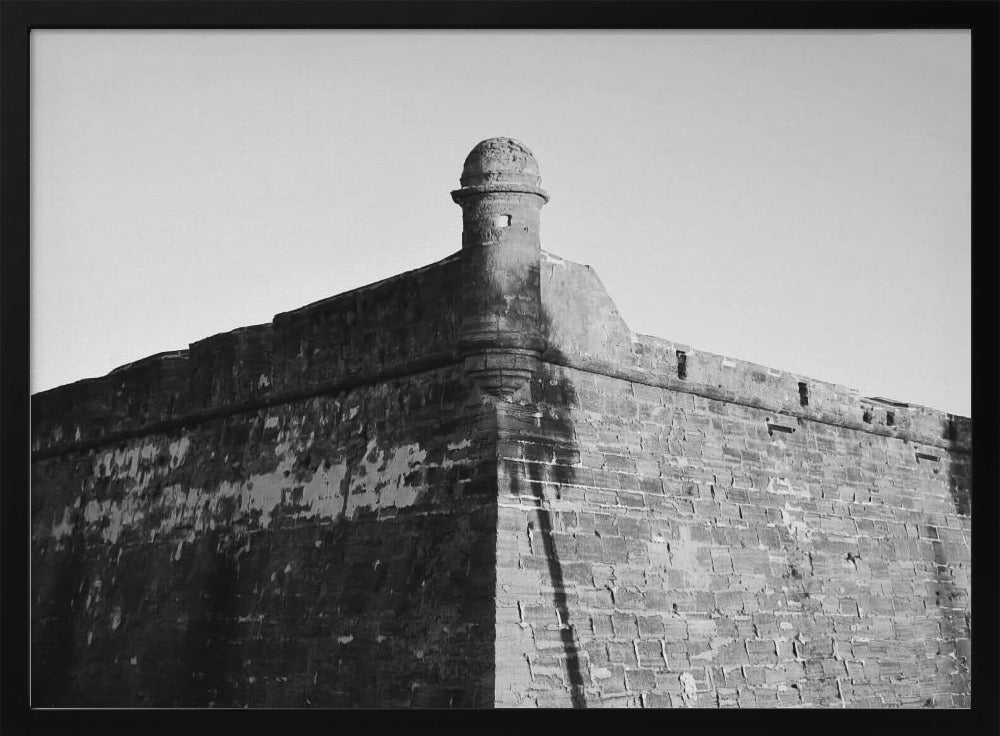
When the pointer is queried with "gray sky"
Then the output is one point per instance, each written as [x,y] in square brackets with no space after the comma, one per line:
[797,199]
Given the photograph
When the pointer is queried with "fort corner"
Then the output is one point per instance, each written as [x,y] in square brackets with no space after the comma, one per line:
[472,485]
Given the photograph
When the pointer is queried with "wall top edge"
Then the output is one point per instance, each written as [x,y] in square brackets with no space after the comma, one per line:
[388,324]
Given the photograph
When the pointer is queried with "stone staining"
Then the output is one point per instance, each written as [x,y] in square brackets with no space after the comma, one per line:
[471,485]
[501,199]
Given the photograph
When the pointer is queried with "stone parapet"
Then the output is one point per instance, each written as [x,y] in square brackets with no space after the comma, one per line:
[585,331]
[396,326]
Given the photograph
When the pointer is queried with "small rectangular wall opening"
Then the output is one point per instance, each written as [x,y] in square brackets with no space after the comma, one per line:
[866,415]
[775,425]
[803,393]
[890,418]
[501,220]
[682,365]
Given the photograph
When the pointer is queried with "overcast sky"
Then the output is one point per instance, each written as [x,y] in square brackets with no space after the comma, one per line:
[796,199]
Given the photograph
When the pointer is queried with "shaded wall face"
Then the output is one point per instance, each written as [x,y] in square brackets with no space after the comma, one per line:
[661,549]
[333,551]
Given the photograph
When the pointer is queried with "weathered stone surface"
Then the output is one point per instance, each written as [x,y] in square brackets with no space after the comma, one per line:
[501,199]
[473,485]
[330,551]
[718,542]
[395,327]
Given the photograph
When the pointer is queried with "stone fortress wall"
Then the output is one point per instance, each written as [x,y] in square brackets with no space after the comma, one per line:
[289,515]
[473,485]
[726,534]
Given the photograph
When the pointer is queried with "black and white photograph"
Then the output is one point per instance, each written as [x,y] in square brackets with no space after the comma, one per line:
[474,368]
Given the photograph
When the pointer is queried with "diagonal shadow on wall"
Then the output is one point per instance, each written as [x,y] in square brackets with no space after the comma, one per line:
[547,427]
[543,517]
